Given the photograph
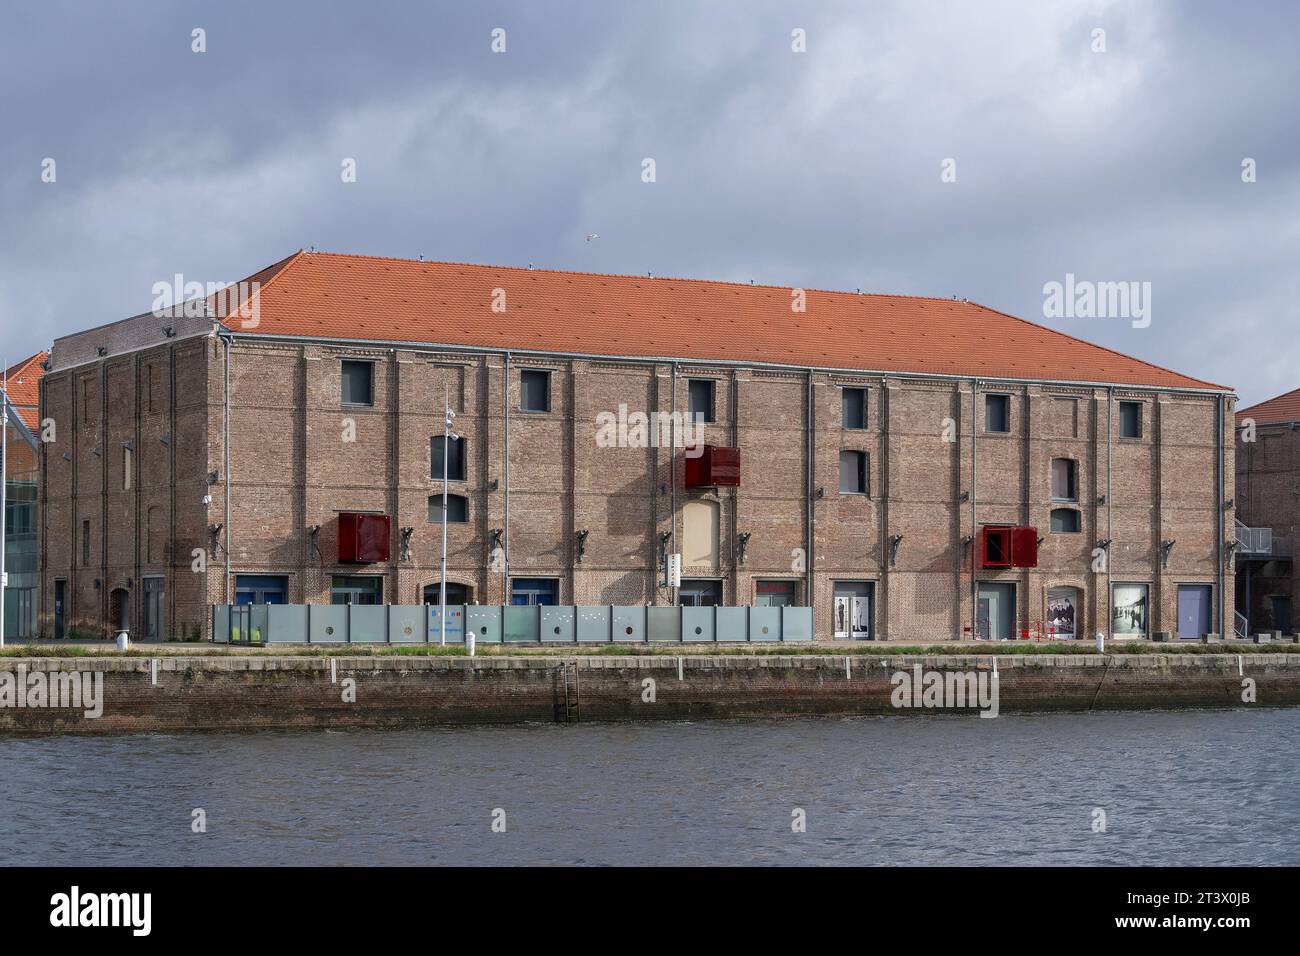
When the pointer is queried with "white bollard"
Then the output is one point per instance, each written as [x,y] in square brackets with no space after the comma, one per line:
[122,641]
[1101,643]
[469,643]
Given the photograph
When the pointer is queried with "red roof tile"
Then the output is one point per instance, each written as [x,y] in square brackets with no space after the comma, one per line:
[23,383]
[1283,408]
[335,296]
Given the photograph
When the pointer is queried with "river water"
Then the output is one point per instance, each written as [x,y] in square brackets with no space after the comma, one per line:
[1176,787]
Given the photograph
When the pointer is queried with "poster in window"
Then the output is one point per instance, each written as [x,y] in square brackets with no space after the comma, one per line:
[843,614]
[1062,608]
[852,617]
[1129,610]
[861,618]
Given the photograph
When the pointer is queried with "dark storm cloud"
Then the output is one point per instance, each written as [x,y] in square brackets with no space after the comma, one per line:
[817,169]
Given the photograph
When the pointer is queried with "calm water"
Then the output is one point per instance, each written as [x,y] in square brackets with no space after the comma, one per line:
[1195,787]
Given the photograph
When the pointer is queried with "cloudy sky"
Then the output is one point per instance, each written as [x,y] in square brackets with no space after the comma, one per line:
[817,169]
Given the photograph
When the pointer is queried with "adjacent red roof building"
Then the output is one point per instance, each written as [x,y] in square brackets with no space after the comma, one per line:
[23,384]
[1283,408]
[334,296]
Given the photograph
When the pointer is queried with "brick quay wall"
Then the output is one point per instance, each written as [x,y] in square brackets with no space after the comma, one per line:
[177,693]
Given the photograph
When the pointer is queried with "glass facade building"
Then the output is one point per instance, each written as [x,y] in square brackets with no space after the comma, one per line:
[22,477]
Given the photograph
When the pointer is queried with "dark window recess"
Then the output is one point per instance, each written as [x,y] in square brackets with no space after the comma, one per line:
[1064,487]
[457,509]
[534,390]
[455,460]
[700,593]
[997,413]
[456,593]
[358,383]
[854,401]
[997,548]
[356,589]
[85,544]
[1130,419]
[699,399]
[853,473]
[1065,521]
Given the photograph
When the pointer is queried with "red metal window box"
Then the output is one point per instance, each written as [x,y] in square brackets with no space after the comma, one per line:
[715,467]
[1004,546]
[363,539]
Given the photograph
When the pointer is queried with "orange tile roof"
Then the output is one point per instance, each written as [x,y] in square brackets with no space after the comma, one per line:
[1283,408]
[336,296]
[23,383]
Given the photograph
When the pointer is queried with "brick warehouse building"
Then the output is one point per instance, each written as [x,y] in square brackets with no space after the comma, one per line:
[1268,478]
[921,468]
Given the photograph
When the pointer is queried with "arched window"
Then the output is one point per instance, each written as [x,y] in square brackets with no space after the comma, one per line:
[457,509]
[1065,521]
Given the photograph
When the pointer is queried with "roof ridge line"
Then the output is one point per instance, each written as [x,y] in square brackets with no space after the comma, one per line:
[627,275]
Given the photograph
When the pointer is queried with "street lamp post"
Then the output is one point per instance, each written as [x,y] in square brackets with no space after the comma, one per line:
[447,436]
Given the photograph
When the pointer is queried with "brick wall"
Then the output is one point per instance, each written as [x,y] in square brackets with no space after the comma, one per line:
[298,458]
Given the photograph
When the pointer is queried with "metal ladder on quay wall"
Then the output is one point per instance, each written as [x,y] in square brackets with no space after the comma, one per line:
[572,689]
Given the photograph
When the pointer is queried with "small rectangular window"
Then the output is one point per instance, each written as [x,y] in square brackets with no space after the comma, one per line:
[853,473]
[457,509]
[1130,419]
[700,399]
[455,459]
[356,589]
[1064,487]
[854,401]
[997,413]
[358,383]
[85,543]
[700,592]
[1065,521]
[527,591]
[534,390]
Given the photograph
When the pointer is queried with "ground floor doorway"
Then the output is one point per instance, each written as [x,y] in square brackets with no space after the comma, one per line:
[852,610]
[1195,611]
[995,615]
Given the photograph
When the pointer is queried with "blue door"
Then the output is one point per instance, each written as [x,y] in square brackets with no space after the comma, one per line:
[1193,611]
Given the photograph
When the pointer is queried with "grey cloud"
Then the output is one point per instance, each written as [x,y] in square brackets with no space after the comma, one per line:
[818,170]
